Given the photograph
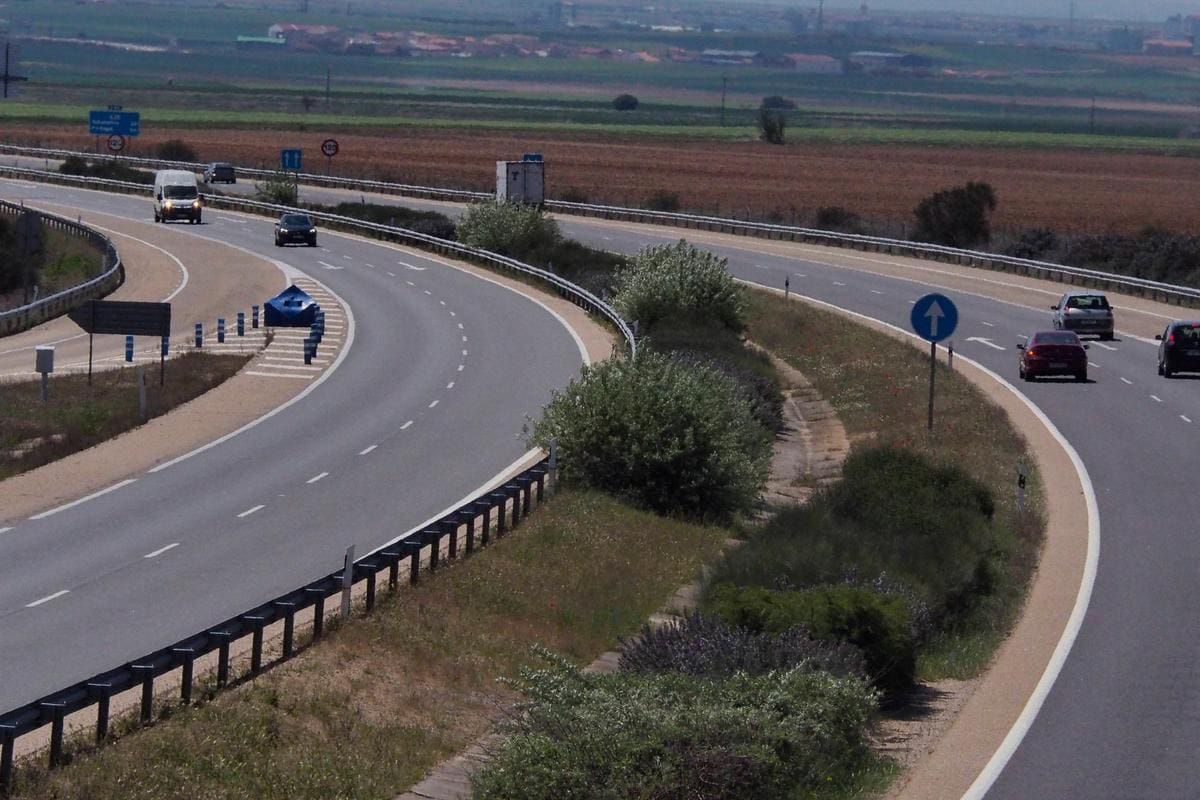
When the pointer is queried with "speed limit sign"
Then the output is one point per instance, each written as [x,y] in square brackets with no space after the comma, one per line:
[116,143]
[329,148]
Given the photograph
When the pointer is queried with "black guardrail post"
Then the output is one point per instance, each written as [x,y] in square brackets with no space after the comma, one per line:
[539,477]
[368,569]
[257,620]
[186,653]
[433,538]
[484,508]
[513,490]
[8,740]
[102,690]
[412,549]
[392,559]
[318,595]
[467,517]
[146,672]
[223,637]
[288,607]
[500,501]
[450,527]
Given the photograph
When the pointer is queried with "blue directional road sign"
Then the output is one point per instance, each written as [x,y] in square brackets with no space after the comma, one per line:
[934,317]
[121,123]
[290,159]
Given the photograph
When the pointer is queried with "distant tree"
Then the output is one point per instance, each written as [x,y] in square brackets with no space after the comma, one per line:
[663,201]
[837,218]
[307,102]
[625,102]
[771,123]
[777,102]
[956,217]
[176,150]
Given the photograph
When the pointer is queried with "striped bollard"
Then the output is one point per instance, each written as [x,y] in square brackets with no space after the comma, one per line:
[310,350]
[254,317]
[199,334]
[220,330]
[129,348]
[166,345]
[241,323]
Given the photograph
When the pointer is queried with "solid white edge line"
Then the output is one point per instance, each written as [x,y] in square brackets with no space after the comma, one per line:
[161,550]
[80,501]
[345,350]
[6,530]
[991,771]
[316,478]
[250,511]
[186,275]
[48,598]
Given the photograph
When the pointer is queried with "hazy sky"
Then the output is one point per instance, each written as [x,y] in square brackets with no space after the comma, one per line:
[1144,11]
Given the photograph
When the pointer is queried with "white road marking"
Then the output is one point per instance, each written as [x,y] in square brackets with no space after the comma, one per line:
[838,283]
[988,324]
[1126,380]
[348,258]
[1093,364]
[464,352]
[1184,418]
[405,425]
[161,550]
[460,326]
[1105,346]
[316,478]
[1156,398]
[799,274]
[434,403]
[371,266]
[460,369]
[464,338]
[392,275]
[876,291]
[985,341]
[410,283]
[442,302]
[250,511]
[6,530]
[450,385]
[47,598]
[82,500]
[413,267]
[429,293]
[327,265]
[367,450]
[453,314]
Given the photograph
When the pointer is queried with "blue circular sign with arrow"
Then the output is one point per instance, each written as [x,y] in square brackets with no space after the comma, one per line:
[934,317]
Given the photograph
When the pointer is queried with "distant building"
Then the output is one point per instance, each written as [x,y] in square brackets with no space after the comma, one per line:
[887,62]
[307,37]
[260,43]
[744,57]
[1168,47]
[815,63]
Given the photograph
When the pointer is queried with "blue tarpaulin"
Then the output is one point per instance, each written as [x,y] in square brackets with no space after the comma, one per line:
[291,308]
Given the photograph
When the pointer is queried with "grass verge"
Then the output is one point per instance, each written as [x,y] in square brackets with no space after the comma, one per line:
[384,699]
[78,416]
[879,388]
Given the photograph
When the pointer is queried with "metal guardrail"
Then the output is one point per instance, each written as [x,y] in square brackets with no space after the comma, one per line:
[492,514]
[1171,293]
[113,275]
[576,294]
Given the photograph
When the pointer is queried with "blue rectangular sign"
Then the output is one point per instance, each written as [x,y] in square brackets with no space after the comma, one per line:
[107,123]
[290,159]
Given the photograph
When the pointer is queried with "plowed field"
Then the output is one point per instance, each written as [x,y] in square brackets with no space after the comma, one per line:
[1080,191]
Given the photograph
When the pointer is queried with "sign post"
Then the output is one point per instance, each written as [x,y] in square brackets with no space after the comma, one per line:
[329,148]
[934,318]
[132,319]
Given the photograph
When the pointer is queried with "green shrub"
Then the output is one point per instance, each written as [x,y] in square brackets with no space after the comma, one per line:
[663,201]
[875,623]
[772,123]
[836,218]
[625,102]
[679,280]
[778,102]
[614,737]
[278,188]
[956,217]
[176,150]
[710,647]
[112,170]
[668,437]
[510,229]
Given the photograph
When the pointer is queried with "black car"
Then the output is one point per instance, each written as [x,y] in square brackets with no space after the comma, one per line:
[295,229]
[1179,348]
[220,172]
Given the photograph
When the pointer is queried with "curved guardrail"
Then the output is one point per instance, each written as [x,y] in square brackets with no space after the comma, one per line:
[1155,290]
[576,294]
[113,275]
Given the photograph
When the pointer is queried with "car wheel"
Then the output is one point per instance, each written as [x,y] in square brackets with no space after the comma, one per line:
[1160,368]
[312,243]
[1166,371]
[277,242]
[1081,376]
[1106,337]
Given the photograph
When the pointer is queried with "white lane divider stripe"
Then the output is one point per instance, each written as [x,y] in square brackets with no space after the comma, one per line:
[1106,346]
[1184,418]
[838,283]
[82,500]
[316,478]
[161,550]
[450,385]
[367,450]
[6,530]
[990,325]
[250,511]
[47,598]
[460,369]
[1126,380]
[405,425]
[876,291]
[434,403]
[1093,364]
[392,275]
[464,352]
[1156,398]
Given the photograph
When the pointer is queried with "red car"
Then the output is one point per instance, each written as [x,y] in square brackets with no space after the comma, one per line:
[1053,353]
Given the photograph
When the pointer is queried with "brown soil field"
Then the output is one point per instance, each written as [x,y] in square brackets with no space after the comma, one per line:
[1070,191]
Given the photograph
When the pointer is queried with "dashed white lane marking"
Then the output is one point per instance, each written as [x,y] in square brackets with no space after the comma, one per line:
[6,530]
[460,326]
[1106,346]
[366,450]
[442,302]
[1093,364]
[410,283]
[48,598]
[405,425]
[838,283]
[429,293]
[1156,398]
[876,291]
[464,338]
[371,266]
[464,352]
[434,403]
[799,274]
[1126,380]
[82,500]
[990,325]
[454,315]
[348,258]
[1184,418]
[316,478]
[327,265]
[450,385]
[460,369]
[413,267]
[391,274]
[161,550]
[250,511]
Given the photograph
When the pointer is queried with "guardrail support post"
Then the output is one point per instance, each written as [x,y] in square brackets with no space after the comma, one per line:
[468,519]
[484,509]
[451,527]
[413,551]
[318,611]
[147,673]
[222,655]
[241,323]
[433,537]
[56,732]
[500,500]
[6,762]
[289,625]
[102,715]
[185,684]
[393,561]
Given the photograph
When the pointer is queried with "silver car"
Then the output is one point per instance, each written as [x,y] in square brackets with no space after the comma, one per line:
[1085,313]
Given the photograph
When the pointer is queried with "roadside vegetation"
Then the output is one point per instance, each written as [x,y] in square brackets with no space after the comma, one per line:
[910,568]
[36,260]
[78,416]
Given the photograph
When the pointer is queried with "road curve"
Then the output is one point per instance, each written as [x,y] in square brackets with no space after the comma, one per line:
[427,406]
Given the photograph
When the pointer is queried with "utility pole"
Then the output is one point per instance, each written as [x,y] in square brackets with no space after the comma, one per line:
[327,77]
[1092,116]
[10,63]
[724,83]
[820,16]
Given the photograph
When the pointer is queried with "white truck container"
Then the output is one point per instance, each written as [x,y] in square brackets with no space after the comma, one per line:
[521,181]
[176,196]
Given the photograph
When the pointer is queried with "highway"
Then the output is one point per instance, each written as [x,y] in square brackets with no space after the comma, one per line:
[426,407]
[1122,720]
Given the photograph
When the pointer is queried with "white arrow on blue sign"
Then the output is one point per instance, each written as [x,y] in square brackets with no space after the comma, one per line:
[290,159]
[934,317]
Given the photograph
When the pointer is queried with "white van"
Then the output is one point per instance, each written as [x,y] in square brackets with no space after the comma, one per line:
[176,196]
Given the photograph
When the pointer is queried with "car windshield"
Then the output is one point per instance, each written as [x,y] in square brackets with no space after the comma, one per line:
[1090,302]
[296,220]
[179,192]
[1055,337]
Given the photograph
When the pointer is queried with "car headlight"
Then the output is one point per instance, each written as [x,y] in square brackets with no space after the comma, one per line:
[195,204]
[312,230]
[168,204]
